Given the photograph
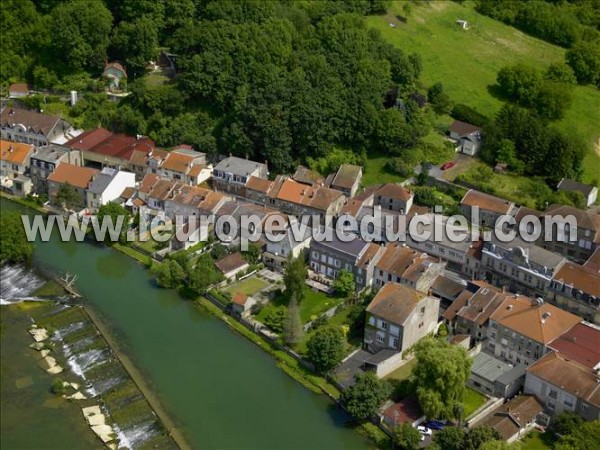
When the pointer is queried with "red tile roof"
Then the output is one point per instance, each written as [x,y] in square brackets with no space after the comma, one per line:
[231,262]
[240,298]
[74,175]
[487,202]
[104,142]
[15,152]
[581,343]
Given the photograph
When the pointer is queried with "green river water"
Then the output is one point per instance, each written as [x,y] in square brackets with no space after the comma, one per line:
[221,390]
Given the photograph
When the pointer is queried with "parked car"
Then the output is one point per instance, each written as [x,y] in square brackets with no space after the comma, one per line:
[435,425]
[448,165]
[424,430]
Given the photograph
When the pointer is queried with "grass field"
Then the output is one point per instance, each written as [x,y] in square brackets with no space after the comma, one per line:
[313,304]
[537,441]
[473,400]
[404,372]
[249,286]
[467,61]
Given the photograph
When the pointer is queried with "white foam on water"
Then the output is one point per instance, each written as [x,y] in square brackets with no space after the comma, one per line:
[131,437]
[16,284]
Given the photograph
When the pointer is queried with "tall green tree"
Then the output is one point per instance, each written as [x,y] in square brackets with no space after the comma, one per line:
[135,43]
[450,438]
[344,284]
[441,374]
[478,436]
[67,196]
[364,398]
[326,348]
[204,274]
[407,437]
[292,326]
[117,214]
[14,246]
[80,34]
[169,274]
[294,277]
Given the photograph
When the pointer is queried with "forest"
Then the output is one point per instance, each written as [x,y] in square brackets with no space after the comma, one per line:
[285,82]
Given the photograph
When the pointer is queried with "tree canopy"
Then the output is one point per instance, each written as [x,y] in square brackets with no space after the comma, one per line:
[440,374]
[366,395]
[326,347]
[14,246]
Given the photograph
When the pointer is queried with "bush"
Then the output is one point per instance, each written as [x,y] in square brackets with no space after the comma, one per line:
[58,387]
[274,320]
[399,167]
[470,115]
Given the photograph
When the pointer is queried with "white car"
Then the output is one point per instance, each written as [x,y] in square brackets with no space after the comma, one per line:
[424,430]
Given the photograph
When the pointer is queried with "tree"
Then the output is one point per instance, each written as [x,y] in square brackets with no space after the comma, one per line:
[519,82]
[584,59]
[584,437]
[135,44]
[117,214]
[218,251]
[366,395]
[276,318]
[441,102]
[80,33]
[566,422]
[344,284]
[560,73]
[67,196]
[252,255]
[14,246]
[292,326]
[204,274]
[498,445]
[553,100]
[450,438]
[440,374]
[326,348]
[407,437]
[478,436]
[169,274]
[294,277]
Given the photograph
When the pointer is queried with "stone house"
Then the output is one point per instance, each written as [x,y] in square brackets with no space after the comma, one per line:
[241,304]
[232,173]
[231,265]
[14,163]
[108,186]
[79,178]
[45,159]
[515,418]
[489,208]
[289,243]
[30,127]
[394,197]
[347,179]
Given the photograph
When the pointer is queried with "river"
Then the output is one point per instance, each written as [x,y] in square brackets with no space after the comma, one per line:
[222,391]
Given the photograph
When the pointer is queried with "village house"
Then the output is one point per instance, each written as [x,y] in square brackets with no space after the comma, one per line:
[470,312]
[14,163]
[515,418]
[276,253]
[189,201]
[181,163]
[589,192]
[581,344]
[565,384]
[400,264]
[328,257]
[231,265]
[108,186]
[77,177]
[521,329]
[102,148]
[347,179]
[467,137]
[188,234]
[393,197]
[576,288]
[45,159]
[116,75]
[306,176]
[18,90]
[398,317]
[559,223]
[520,266]
[490,208]
[231,174]
[241,304]
[30,127]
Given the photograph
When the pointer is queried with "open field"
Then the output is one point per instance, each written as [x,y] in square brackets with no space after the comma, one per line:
[404,372]
[313,304]
[467,61]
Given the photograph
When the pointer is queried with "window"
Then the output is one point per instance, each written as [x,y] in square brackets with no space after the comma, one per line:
[395,343]
[380,339]
[338,263]
[315,255]
[385,325]
[553,393]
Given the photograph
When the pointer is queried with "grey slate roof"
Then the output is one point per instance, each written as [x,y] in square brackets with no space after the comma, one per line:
[238,166]
[574,186]
[102,180]
[50,153]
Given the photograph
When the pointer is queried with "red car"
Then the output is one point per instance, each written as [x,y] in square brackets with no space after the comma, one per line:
[448,165]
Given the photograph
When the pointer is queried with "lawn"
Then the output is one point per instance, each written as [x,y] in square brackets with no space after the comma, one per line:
[467,61]
[313,304]
[404,372]
[249,286]
[473,400]
[537,440]
[376,172]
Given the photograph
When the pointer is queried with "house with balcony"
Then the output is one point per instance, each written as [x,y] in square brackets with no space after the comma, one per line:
[398,317]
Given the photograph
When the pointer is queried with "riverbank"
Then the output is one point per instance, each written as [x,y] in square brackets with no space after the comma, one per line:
[207,376]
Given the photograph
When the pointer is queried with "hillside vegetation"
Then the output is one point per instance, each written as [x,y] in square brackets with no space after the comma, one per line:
[467,62]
